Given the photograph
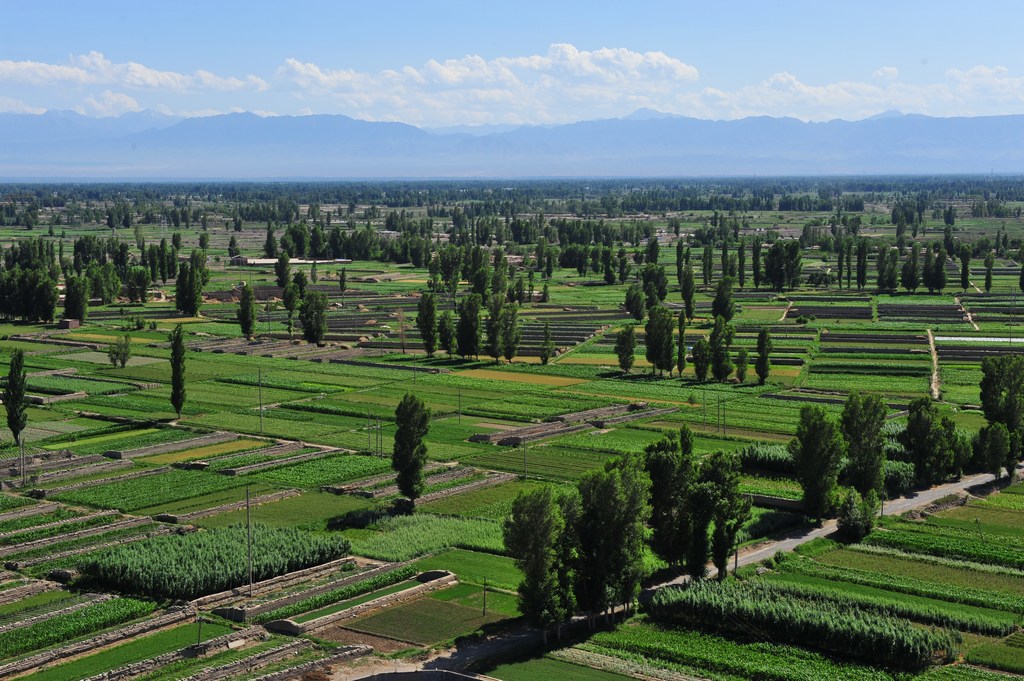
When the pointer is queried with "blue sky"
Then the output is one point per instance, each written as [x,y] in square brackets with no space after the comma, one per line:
[458,63]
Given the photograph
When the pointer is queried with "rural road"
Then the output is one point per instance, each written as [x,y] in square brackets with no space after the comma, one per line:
[461,658]
[789,541]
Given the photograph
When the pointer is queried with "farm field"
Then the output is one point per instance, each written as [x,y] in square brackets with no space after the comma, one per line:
[126,505]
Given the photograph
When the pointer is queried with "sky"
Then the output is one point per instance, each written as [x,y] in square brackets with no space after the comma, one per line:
[453,63]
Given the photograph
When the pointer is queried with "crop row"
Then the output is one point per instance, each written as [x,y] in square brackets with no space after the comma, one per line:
[336,595]
[698,653]
[198,563]
[71,625]
[405,537]
[326,470]
[906,584]
[150,490]
[833,626]
[947,546]
[919,609]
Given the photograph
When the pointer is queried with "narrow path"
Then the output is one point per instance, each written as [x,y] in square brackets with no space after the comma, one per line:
[935,366]
[967,315]
[785,312]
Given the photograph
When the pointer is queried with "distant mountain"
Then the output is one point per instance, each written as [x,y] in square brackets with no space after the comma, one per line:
[475,130]
[647,143]
[69,125]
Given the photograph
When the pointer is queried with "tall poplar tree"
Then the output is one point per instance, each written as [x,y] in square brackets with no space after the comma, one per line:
[412,422]
[178,369]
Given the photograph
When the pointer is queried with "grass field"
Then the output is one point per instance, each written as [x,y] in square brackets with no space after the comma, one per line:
[426,621]
[547,668]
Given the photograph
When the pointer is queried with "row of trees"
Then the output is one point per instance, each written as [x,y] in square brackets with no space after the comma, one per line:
[665,344]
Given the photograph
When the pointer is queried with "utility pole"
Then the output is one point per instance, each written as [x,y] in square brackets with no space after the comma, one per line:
[248,523]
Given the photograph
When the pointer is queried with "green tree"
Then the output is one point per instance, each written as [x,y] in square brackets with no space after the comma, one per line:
[742,360]
[658,339]
[701,354]
[313,315]
[635,301]
[547,346]
[270,243]
[282,269]
[446,332]
[1002,395]
[928,442]
[995,449]
[291,302]
[426,322]
[688,289]
[343,284]
[532,532]
[755,262]
[861,422]
[857,515]
[76,298]
[511,331]
[671,467]
[741,262]
[723,305]
[412,422]
[493,325]
[910,276]
[177,369]
[681,345]
[731,507]
[120,351]
[990,261]
[247,311]
[965,266]
[763,365]
[625,347]
[610,532]
[14,395]
[192,278]
[136,284]
[720,341]
[939,274]
[467,333]
[817,452]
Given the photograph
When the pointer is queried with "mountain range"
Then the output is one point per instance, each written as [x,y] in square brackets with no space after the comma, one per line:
[150,146]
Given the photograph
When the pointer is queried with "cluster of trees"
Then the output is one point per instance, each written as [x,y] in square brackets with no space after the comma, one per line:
[665,342]
[582,550]
[490,286]
[998,445]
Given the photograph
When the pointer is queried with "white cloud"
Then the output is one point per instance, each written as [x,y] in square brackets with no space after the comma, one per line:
[108,104]
[11,105]
[887,73]
[95,69]
[564,84]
